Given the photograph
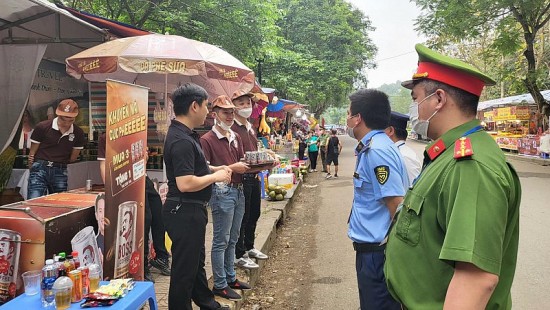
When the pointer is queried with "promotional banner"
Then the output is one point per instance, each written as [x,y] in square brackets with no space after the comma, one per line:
[125,180]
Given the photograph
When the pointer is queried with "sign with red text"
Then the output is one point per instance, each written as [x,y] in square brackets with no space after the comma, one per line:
[126,144]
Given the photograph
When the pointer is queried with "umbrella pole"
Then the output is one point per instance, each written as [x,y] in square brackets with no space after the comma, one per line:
[167,118]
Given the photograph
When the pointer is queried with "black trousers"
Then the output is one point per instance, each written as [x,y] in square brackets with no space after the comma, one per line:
[153,221]
[252,205]
[301,150]
[313,159]
[187,228]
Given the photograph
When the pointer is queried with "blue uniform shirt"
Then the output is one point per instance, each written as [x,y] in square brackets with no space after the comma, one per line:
[380,172]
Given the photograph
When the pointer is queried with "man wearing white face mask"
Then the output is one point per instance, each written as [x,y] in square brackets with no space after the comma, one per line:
[379,180]
[251,183]
[458,229]
[222,146]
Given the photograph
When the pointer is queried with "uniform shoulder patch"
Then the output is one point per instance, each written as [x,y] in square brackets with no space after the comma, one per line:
[463,148]
[382,174]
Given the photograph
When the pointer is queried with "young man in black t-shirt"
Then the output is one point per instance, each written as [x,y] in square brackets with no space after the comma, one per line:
[334,148]
[190,180]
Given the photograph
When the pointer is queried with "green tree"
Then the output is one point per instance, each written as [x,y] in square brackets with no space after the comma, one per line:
[400,97]
[325,46]
[313,51]
[501,22]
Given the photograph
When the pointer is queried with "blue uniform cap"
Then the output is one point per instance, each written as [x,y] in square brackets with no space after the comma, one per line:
[399,120]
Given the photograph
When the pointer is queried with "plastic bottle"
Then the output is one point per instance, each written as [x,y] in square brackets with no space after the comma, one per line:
[63,287]
[49,275]
[61,269]
[76,259]
[69,264]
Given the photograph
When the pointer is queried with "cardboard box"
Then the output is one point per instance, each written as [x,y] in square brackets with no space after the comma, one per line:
[285,180]
[45,226]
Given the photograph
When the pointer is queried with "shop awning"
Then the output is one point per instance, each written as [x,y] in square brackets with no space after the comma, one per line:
[114,27]
[42,22]
[525,99]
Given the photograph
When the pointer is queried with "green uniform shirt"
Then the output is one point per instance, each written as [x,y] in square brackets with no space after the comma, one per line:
[324,139]
[464,210]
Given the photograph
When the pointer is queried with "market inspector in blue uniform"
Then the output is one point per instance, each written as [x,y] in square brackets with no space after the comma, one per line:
[380,180]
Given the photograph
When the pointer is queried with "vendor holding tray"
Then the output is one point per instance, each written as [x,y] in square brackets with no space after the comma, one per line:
[223,147]
[251,184]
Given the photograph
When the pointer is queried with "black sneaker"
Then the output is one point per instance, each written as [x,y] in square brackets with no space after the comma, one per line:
[147,275]
[162,264]
[336,176]
[227,293]
[238,285]
[223,307]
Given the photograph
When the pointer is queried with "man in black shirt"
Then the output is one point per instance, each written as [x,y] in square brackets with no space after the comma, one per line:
[190,180]
[334,148]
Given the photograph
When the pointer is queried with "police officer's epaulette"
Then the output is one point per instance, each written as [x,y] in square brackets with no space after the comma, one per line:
[436,149]
[463,148]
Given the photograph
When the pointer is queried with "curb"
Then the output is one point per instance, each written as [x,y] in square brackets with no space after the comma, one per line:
[529,159]
[272,215]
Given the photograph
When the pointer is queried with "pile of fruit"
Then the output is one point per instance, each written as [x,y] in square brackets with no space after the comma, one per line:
[276,192]
[303,170]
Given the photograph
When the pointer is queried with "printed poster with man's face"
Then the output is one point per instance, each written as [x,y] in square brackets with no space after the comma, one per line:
[125,165]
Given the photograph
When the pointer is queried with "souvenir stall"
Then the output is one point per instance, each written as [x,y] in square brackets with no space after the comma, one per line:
[514,122]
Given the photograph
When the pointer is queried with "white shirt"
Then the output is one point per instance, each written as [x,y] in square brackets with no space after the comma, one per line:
[412,163]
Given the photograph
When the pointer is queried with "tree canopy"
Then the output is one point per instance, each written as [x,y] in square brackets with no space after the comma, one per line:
[505,38]
[311,51]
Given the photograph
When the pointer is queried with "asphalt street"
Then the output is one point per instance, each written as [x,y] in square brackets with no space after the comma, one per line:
[334,263]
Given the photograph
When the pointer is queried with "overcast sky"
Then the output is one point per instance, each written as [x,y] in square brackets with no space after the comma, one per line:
[395,38]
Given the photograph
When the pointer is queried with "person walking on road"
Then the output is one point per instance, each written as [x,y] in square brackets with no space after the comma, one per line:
[379,180]
[313,150]
[334,148]
[190,180]
[323,140]
[455,242]
[397,131]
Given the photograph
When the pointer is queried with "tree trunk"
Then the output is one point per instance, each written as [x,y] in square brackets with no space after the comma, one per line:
[531,77]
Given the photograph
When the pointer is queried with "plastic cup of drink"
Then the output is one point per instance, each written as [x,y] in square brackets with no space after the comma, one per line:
[94,277]
[31,280]
[63,288]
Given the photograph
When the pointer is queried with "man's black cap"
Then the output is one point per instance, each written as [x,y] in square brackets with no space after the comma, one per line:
[399,120]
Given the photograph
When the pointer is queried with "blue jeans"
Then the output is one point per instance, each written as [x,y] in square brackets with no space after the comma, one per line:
[227,214]
[44,180]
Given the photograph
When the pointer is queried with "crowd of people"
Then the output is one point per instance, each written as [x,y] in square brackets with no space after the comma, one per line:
[441,234]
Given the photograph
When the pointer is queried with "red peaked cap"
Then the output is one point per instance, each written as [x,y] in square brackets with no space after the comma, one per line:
[450,76]
[451,71]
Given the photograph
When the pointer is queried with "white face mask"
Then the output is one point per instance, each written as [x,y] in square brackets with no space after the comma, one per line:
[223,125]
[420,126]
[349,130]
[246,112]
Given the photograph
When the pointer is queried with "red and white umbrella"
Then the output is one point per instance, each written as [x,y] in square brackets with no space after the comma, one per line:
[162,62]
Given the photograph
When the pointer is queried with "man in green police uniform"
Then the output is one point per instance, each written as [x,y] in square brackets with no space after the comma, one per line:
[455,242]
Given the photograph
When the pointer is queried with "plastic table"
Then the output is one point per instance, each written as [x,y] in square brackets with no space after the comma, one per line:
[142,292]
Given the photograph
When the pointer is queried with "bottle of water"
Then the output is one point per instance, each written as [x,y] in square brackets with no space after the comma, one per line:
[49,275]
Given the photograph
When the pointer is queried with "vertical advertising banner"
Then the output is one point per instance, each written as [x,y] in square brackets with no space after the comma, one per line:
[125,180]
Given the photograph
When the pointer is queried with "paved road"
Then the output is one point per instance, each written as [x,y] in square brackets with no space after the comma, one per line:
[335,284]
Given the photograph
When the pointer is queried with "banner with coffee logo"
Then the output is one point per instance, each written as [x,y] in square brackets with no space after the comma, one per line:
[126,144]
